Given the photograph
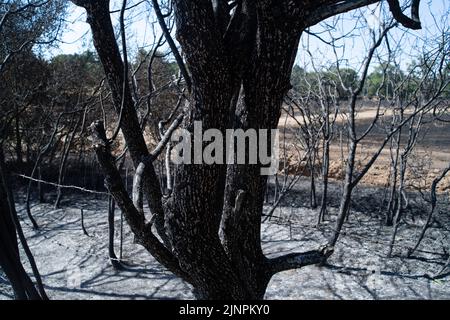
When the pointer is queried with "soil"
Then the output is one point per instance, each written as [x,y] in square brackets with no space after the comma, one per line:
[76,266]
[429,157]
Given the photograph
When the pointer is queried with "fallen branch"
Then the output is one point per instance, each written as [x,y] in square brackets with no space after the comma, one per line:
[62,186]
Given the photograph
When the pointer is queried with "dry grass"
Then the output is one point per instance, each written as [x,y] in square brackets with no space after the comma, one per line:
[430,156]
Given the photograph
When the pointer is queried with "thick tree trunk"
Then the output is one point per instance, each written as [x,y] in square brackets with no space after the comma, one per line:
[242,90]
[240,63]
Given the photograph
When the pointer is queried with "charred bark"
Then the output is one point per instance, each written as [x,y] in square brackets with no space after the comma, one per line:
[240,63]
[24,288]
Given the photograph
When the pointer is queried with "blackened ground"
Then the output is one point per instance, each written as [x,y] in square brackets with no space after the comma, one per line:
[76,266]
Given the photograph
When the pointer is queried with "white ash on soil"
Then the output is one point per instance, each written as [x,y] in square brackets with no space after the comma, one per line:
[75,266]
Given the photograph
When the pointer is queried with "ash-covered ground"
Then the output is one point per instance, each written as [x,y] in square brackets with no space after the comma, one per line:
[76,266]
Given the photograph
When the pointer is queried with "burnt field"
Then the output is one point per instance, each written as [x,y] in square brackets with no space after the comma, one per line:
[75,265]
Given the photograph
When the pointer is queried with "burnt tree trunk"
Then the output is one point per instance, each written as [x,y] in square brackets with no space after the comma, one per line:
[10,261]
[111,229]
[240,61]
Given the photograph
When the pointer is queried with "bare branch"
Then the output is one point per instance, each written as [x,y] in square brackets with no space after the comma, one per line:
[114,184]
[326,11]
[299,260]
[172,45]
[411,23]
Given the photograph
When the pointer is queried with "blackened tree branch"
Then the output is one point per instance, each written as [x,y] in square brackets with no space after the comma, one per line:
[407,22]
[299,260]
[172,45]
[338,7]
[98,16]
[135,219]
